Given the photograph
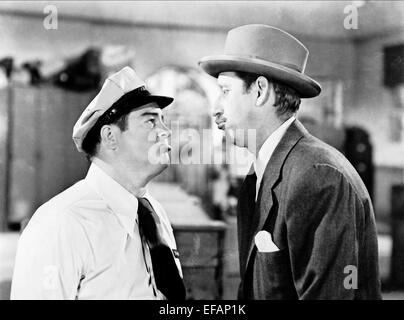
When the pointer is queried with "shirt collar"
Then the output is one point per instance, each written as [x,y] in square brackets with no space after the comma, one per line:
[123,204]
[267,149]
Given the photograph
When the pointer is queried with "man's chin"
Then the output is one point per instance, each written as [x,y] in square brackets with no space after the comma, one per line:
[230,136]
[158,169]
[161,166]
[164,160]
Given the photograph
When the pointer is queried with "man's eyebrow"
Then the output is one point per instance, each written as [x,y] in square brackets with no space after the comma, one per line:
[150,113]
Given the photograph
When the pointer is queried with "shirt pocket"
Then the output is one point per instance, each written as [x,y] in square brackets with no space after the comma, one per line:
[272,277]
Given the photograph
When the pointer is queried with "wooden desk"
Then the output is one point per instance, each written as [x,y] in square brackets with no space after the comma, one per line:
[200,241]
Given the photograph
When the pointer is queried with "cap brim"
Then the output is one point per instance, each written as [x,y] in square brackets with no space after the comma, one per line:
[161,101]
[305,86]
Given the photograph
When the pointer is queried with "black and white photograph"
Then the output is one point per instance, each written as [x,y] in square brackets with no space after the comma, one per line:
[202,151]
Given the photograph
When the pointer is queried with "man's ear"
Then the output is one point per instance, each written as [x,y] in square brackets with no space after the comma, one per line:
[108,135]
[263,90]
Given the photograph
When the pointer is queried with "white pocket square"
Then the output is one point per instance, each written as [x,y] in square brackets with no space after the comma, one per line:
[264,243]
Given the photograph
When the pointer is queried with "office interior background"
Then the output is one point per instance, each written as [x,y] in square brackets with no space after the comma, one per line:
[55,55]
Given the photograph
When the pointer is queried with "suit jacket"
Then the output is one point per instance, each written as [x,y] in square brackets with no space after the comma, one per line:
[318,211]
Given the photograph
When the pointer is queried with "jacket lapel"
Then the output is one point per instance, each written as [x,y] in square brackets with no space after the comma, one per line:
[272,175]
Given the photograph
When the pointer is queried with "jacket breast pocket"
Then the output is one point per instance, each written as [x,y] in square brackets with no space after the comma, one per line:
[272,278]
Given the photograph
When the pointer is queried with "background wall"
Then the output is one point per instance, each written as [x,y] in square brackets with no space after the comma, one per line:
[24,37]
[372,103]
[372,108]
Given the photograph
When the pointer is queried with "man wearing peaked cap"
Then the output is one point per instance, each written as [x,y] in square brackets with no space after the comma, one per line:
[306,226]
[106,237]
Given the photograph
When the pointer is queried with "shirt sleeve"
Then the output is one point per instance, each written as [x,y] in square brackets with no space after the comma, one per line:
[48,262]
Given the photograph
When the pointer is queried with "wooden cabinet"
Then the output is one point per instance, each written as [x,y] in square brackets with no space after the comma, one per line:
[41,159]
[3,155]
[201,256]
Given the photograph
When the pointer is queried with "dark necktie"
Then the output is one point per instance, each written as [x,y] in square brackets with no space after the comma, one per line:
[246,218]
[251,181]
[248,191]
[247,221]
[166,275]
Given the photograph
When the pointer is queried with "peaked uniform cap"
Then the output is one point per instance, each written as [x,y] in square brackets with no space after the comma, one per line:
[119,85]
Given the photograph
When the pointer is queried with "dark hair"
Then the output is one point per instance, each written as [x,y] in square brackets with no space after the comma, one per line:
[93,137]
[287,100]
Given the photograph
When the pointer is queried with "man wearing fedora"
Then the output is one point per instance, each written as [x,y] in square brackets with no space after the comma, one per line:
[306,226]
[105,237]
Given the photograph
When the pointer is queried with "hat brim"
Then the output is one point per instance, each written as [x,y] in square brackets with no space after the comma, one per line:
[161,101]
[305,86]
[132,101]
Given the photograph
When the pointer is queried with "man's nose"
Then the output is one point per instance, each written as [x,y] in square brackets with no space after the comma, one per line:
[165,131]
[217,108]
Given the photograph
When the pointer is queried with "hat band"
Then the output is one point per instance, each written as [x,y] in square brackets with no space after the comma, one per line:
[122,103]
[285,64]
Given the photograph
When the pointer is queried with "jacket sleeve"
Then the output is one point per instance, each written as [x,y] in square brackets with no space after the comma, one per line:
[321,233]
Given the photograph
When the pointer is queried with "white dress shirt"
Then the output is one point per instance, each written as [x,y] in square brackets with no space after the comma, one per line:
[266,151]
[85,244]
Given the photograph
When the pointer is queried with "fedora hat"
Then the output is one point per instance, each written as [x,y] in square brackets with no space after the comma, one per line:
[266,51]
[121,93]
